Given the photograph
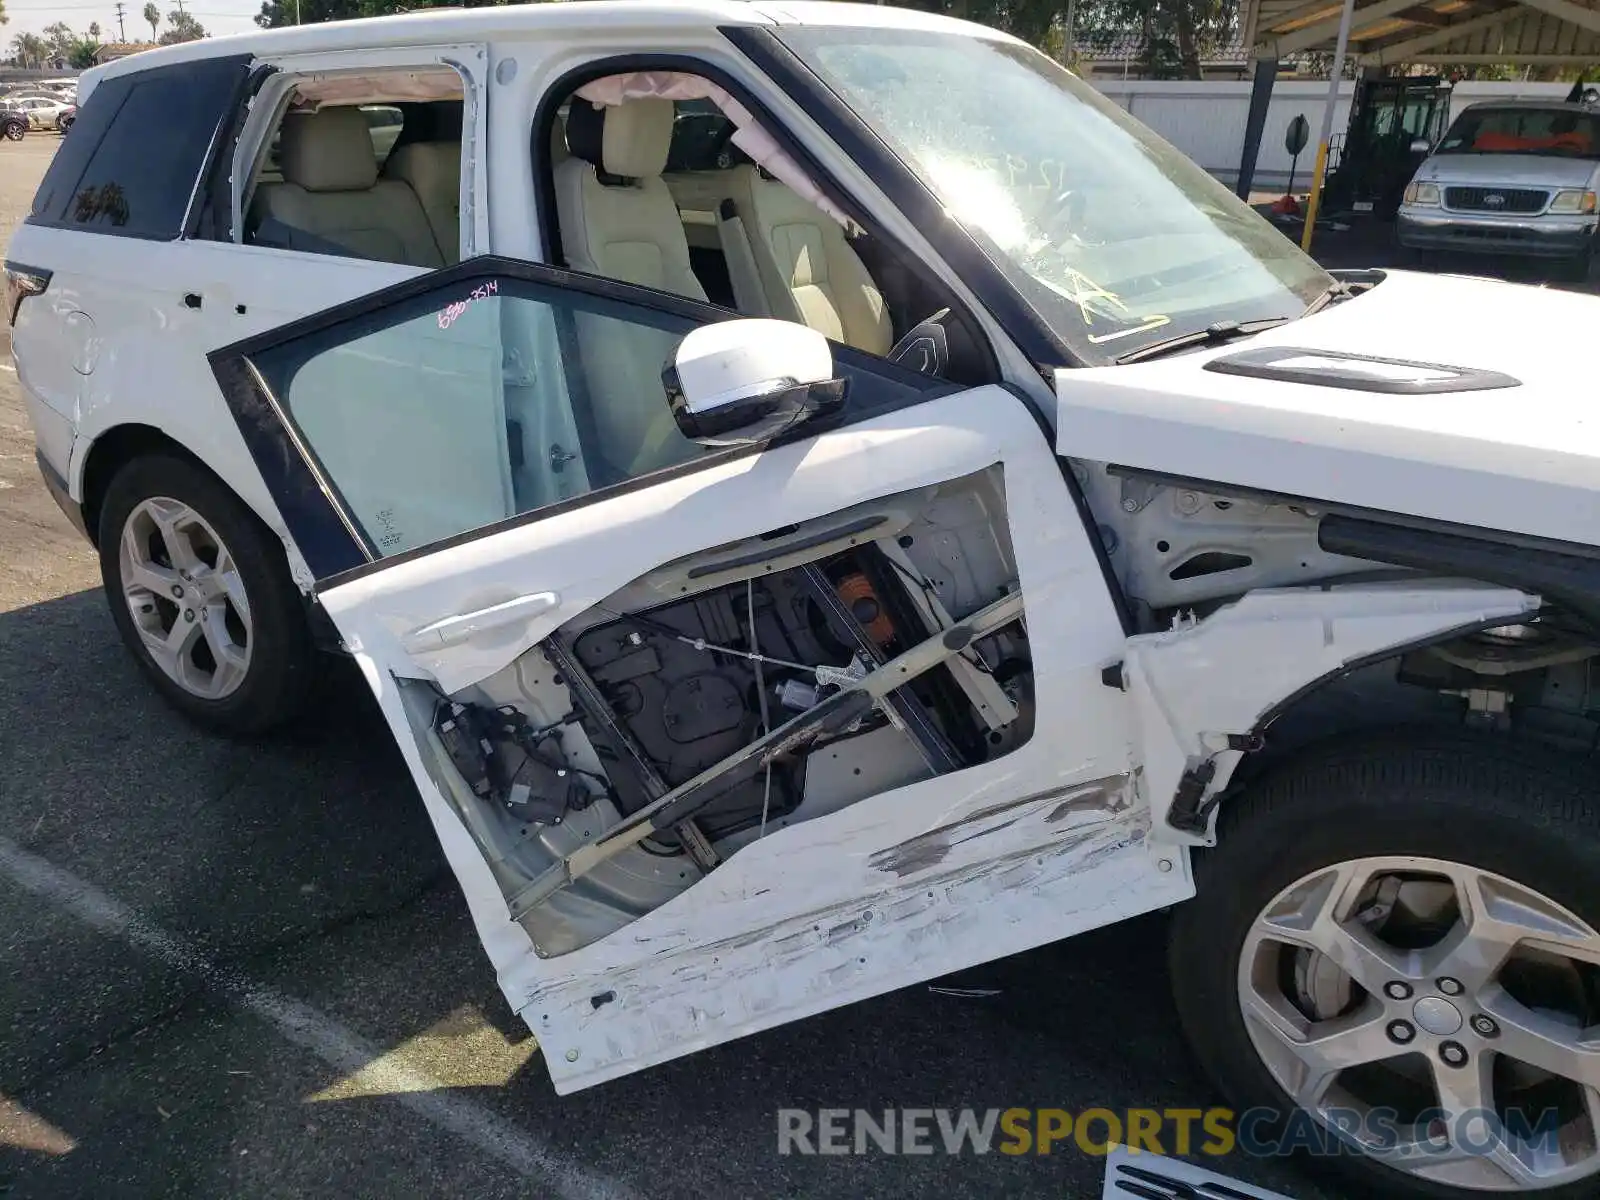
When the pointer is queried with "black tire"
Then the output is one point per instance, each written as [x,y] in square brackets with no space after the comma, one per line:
[280,674]
[15,130]
[1528,816]
[1575,270]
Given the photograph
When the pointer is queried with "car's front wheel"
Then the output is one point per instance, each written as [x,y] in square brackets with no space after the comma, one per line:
[1394,958]
[200,592]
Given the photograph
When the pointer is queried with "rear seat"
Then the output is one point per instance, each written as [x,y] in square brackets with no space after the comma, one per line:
[432,170]
[332,201]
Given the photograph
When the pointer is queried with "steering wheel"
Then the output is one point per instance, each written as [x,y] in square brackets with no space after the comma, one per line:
[721,154]
[1066,211]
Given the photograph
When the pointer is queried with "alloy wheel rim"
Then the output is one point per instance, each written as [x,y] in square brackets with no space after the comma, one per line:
[186,597]
[1442,1019]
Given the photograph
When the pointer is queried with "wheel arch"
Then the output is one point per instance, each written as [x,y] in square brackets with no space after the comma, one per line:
[1332,708]
[112,450]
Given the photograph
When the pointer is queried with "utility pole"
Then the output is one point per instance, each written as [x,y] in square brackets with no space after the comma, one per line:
[122,34]
[1314,201]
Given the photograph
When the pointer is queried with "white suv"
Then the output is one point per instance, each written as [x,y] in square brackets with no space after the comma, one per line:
[823,498]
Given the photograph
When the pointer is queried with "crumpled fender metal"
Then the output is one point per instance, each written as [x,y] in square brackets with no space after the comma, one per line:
[1199,689]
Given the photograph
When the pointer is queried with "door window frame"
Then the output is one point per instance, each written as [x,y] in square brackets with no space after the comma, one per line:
[561,89]
[275,82]
[327,533]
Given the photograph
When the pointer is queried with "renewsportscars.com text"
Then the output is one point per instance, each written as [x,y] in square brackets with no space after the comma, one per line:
[1216,1132]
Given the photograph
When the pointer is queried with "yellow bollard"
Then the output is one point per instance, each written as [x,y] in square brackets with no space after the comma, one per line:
[1315,198]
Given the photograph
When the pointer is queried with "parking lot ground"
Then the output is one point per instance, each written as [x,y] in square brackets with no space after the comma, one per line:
[241,969]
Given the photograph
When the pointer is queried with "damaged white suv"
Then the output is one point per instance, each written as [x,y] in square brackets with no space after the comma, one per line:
[838,501]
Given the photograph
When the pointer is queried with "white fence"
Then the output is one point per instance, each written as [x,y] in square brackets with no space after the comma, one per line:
[1206,119]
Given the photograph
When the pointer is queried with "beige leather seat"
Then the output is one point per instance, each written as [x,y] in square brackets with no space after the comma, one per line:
[806,269]
[617,216]
[331,200]
[617,219]
[432,170]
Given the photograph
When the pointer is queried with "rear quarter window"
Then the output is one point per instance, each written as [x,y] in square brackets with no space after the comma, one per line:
[129,165]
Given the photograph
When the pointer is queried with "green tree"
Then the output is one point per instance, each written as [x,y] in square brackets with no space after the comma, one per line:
[60,40]
[3,18]
[181,27]
[82,53]
[153,15]
[94,30]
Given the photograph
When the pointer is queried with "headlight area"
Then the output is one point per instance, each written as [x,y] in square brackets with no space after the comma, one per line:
[1572,201]
[1421,195]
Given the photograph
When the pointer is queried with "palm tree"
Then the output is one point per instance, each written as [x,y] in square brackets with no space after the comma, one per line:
[153,15]
[29,49]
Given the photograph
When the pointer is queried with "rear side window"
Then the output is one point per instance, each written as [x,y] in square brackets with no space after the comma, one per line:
[129,165]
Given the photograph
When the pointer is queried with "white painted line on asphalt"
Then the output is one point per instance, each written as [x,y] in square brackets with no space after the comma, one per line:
[8,367]
[310,1029]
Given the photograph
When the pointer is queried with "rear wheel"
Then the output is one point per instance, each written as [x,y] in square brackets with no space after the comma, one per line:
[200,591]
[1399,940]
[14,130]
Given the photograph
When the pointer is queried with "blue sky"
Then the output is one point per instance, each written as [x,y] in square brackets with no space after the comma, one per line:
[30,16]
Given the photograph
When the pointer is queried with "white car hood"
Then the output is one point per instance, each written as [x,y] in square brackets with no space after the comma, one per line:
[1524,458]
[1520,170]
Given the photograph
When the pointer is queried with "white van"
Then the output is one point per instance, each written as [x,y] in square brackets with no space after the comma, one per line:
[823,499]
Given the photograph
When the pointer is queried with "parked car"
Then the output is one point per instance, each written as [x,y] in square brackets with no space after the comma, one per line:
[64,122]
[932,519]
[13,124]
[43,112]
[1510,177]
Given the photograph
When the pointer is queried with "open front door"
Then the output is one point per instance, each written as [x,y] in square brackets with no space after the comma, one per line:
[713,739]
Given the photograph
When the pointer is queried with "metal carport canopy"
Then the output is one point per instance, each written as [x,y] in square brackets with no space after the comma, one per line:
[1387,33]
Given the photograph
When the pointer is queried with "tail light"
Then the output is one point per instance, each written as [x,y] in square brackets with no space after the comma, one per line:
[22,282]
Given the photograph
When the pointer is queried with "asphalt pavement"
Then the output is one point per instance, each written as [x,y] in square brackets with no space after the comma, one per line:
[242,969]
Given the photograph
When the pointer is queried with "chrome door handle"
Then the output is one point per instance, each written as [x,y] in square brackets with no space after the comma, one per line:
[451,630]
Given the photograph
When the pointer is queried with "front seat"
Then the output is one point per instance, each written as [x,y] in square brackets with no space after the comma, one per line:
[331,200]
[618,220]
[432,170]
[617,216]
[806,268]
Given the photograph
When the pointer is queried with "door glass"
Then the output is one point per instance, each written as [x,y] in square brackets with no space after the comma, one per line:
[467,405]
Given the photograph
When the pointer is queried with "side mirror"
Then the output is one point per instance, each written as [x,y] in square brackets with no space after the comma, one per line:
[1421,146]
[741,383]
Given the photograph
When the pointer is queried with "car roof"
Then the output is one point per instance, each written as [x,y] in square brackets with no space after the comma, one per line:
[444,26]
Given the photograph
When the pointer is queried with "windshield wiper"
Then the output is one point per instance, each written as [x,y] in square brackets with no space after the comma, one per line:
[1213,334]
[1337,290]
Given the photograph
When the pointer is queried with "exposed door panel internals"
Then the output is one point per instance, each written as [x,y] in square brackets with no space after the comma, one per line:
[975,678]
[904,711]
[832,715]
[593,705]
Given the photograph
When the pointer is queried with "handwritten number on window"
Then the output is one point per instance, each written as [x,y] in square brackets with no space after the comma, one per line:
[451,312]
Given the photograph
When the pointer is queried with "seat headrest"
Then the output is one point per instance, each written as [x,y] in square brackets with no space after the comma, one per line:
[328,151]
[630,140]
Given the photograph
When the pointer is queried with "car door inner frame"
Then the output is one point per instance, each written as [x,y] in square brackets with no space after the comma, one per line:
[321,520]
[836,713]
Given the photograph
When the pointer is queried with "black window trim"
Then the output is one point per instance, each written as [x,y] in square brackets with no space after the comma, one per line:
[327,533]
[557,94]
[213,195]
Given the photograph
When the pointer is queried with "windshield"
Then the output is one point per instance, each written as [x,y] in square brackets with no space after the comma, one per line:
[1555,132]
[1113,236]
